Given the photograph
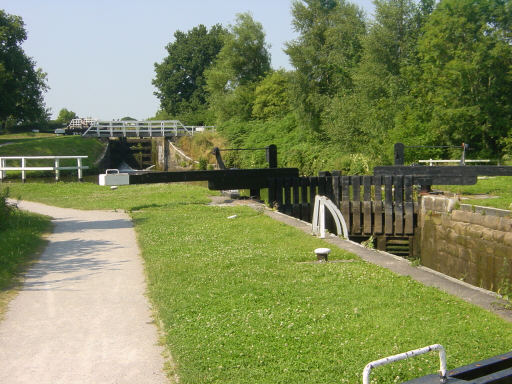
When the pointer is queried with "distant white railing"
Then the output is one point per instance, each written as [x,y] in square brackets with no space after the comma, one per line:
[23,167]
[432,162]
[143,128]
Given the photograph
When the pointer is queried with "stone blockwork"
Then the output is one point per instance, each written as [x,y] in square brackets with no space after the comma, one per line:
[167,157]
[470,243]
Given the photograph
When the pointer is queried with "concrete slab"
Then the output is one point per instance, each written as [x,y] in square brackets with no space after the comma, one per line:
[82,316]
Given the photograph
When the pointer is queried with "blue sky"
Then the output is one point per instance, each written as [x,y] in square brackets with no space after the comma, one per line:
[100,54]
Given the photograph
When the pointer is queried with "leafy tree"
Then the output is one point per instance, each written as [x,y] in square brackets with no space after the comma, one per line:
[325,53]
[242,62]
[128,118]
[461,91]
[21,85]
[180,79]
[271,97]
[66,116]
[360,120]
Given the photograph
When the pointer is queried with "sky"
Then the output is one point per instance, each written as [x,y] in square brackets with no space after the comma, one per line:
[99,55]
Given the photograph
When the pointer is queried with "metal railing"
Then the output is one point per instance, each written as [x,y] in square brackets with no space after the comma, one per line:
[142,128]
[23,167]
[406,355]
[431,162]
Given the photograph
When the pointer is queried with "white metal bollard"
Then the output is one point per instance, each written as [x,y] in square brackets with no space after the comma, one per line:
[23,172]
[57,170]
[79,166]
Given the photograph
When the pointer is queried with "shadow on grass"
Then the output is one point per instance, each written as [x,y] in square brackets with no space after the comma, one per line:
[166,205]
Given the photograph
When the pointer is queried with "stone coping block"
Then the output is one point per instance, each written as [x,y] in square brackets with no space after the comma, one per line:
[490,211]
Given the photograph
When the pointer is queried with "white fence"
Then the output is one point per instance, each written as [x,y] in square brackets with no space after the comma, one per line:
[143,128]
[23,167]
[431,162]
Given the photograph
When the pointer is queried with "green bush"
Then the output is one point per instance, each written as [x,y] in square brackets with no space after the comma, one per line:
[203,164]
[5,209]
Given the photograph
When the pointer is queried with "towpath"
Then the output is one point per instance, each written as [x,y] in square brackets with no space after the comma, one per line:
[82,316]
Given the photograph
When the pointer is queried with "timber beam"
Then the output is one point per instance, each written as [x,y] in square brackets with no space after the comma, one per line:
[438,175]
[223,179]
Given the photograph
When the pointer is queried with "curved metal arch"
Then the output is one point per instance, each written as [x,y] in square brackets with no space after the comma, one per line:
[318,225]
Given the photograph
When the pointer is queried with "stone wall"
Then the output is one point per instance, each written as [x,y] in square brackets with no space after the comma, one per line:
[167,157]
[470,243]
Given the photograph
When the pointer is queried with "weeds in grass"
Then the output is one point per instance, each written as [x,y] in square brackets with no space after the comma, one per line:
[370,243]
[5,208]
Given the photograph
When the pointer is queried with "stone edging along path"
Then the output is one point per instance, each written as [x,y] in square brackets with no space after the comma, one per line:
[82,315]
[474,295]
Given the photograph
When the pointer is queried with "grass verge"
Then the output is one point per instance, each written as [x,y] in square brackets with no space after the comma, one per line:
[42,145]
[21,240]
[498,189]
[92,196]
[240,303]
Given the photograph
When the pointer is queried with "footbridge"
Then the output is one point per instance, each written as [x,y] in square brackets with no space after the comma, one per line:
[142,128]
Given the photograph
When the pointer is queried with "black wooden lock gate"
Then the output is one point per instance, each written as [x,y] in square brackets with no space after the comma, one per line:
[371,205]
[496,370]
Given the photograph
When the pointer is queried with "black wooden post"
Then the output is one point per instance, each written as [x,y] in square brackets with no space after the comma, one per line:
[399,154]
[398,182]
[305,205]
[255,193]
[295,206]
[367,204]
[388,205]
[218,157]
[378,209]
[345,201]
[356,203]
[271,152]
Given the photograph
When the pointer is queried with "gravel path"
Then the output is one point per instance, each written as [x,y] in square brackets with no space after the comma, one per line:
[82,316]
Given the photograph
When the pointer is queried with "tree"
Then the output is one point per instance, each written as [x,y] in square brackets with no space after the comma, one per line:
[21,85]
[180,80]
[66,116]
[271,98]
[360,120]
[242,62]
[461,91]
[325,53]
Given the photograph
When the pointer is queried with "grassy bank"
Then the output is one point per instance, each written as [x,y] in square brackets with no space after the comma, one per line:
[20,240]
[92,196]
[51,145]
[498,191]
[19,137]
[240,302]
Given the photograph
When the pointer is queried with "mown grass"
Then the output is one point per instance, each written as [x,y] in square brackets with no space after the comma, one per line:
[92,196]
[43,145]
[499,190]
[240,302]
[17,137]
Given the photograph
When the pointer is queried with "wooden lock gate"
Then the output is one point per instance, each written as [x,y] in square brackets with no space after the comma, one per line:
[371,205]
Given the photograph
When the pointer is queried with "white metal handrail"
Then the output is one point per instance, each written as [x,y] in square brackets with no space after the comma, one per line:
[23,167]
[144,128]
[432,162]
[402,356]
